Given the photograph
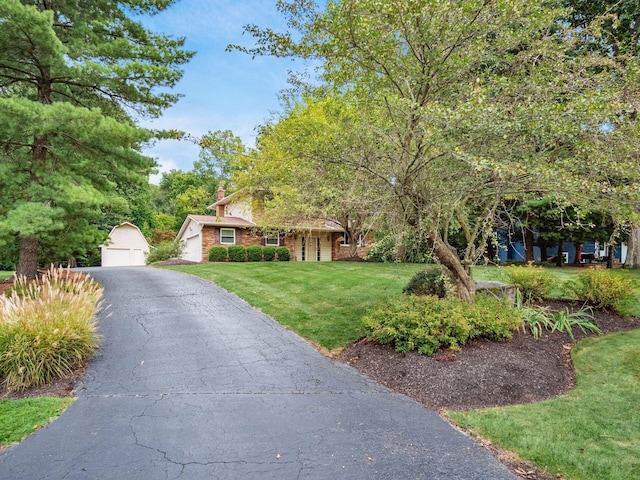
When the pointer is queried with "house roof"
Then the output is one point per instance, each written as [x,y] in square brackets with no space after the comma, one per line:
[127,225]
[215,221]
[319,225]
[225,200]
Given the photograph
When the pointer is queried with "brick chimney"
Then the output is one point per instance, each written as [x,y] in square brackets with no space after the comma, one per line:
[220,196]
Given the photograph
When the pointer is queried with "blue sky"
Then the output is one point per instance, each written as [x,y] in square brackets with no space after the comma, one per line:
[222,90]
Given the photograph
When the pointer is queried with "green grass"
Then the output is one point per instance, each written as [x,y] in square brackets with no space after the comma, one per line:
[323,302]
[20,418]
[591,432]
[5,274]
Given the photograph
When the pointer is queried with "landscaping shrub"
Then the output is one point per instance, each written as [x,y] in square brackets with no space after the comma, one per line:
[428,323]
[218,253]
[534,283]
[283,254]
[436,280]
[601,289]
[269,253]
[384,250]
[48,331]
[165,250]
[237,253]
[254,253]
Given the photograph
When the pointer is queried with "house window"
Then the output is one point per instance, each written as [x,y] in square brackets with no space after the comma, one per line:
[273,240]
[228,236]
[345,240]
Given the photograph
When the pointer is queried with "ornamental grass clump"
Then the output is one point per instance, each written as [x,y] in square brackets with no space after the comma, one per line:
[47,328]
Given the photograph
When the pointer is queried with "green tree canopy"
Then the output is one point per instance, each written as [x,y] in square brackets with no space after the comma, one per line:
[465,103]
[71,80]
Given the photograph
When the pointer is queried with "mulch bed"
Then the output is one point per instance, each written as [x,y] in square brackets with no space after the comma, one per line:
[484,373]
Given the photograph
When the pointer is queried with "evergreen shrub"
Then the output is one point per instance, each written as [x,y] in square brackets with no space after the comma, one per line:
[436,280]
[283,254]
[269,253]
[254,253]
[218,253]
[237,253]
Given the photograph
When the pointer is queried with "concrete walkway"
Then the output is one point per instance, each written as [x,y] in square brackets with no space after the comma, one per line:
[192,383]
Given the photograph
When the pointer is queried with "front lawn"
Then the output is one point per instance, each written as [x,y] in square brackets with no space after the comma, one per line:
[323,302]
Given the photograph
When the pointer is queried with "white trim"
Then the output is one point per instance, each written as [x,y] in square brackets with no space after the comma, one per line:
[276,238]
[234,236]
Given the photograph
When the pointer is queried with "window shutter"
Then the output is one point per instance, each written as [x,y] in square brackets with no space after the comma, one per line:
[216,235]
[238,236]
[281,240]
[263,241]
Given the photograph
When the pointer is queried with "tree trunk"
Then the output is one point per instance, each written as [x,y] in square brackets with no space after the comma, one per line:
[633,248]
[528,245]
[611,256]
[578,257]
[560,256]
[28,260]
[542,243]
[462,273]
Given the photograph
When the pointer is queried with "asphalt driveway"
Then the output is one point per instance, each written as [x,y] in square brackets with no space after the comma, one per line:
[193,383]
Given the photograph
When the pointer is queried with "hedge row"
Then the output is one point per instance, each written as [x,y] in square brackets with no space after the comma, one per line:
[255,253]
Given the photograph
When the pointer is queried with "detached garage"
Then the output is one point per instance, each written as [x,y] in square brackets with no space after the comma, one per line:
[125,246]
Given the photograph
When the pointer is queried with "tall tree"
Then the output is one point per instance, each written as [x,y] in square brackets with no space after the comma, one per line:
[71,78]
[464,103]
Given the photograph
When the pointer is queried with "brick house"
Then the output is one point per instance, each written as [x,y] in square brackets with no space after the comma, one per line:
[235,223]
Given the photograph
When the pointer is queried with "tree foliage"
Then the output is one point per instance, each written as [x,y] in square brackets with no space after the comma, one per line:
[306,162]
[462,104]
[71,80]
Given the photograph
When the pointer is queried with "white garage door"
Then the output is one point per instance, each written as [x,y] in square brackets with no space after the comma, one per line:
[116,257]
[193,249]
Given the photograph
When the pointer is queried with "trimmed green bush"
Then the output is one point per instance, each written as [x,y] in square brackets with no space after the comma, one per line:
[254,253]
[47,332]
[534,283]
[283,254]
[436,280]
[428,323]
[269,253]
[218,253]
[237,253]
[601,289]
[165,250]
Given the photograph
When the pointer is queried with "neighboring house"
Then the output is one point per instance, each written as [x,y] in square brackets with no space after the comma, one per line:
[512,248]
[125,246]
[235,224]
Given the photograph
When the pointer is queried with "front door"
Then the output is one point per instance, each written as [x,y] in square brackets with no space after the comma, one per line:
[310,249]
